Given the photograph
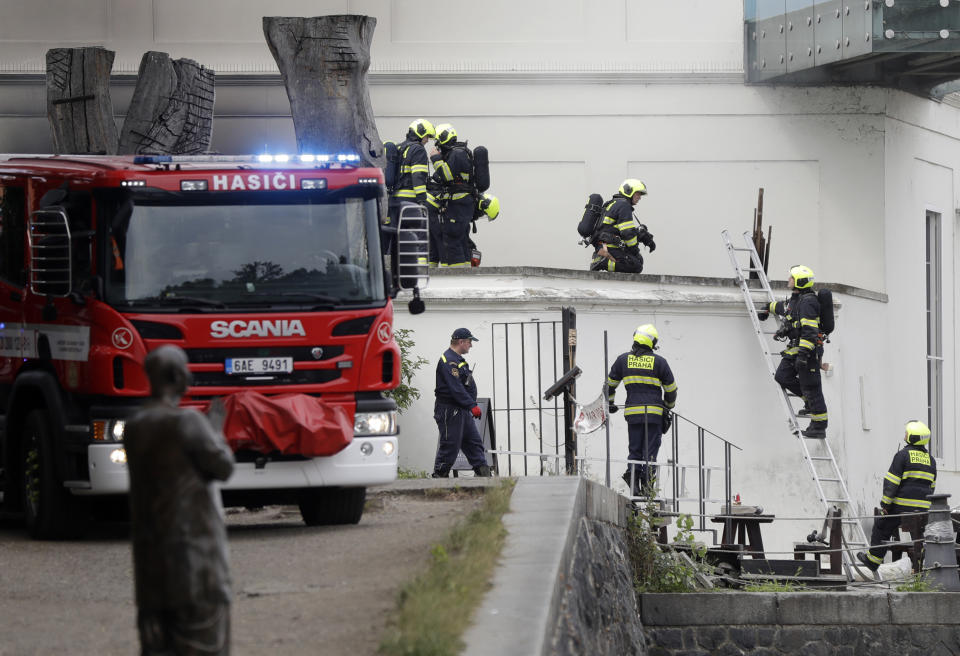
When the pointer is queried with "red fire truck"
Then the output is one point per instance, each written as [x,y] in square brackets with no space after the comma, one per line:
[266,270]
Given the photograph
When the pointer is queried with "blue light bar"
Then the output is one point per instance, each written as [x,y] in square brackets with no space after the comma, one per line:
[263,158]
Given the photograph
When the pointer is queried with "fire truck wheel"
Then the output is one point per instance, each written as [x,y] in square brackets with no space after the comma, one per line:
[51,512]
[335,505]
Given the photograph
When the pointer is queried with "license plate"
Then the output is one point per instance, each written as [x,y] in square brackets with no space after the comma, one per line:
[252,366]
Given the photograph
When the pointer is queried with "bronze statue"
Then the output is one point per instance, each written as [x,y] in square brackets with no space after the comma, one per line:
[174,454]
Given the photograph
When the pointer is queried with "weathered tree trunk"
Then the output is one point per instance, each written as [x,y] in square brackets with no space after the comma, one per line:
[78,100]
[324,62]
[171,112]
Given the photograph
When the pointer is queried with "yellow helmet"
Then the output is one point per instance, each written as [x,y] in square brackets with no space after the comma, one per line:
[917,433]
[446,134]
[490,205]
[630,186]
[802,276]
[646,335]
[423,128]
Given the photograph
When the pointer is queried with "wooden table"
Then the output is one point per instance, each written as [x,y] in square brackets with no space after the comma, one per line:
[743,529]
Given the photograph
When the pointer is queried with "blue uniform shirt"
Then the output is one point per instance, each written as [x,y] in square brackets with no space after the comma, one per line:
[455,384]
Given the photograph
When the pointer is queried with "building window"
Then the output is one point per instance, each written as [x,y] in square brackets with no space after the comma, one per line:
[934,336]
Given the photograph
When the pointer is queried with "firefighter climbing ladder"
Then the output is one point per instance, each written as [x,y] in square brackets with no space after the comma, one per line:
[831,487]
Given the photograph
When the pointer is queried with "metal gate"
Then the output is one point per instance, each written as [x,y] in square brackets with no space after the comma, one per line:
[534,436]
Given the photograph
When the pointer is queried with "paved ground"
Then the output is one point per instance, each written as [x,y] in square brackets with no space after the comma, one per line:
[298,590]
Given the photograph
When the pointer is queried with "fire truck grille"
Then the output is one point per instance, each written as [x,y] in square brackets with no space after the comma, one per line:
[298,353]
[222,379]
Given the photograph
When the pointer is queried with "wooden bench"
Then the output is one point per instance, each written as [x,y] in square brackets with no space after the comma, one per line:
[743,529]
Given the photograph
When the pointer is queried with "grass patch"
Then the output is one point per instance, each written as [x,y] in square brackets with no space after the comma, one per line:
[403,473]
[919,582]
[434,609]
[774,586]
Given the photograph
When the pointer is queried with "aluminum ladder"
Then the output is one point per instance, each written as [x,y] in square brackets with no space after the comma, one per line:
[831,488]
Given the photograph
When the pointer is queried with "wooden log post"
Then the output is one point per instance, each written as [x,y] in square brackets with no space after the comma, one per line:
[171,112]
[78,100]
[324,62]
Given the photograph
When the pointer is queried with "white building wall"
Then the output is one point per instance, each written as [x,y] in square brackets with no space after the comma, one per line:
[571,97]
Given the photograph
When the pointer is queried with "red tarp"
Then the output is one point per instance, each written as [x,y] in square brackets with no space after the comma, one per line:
[293,424]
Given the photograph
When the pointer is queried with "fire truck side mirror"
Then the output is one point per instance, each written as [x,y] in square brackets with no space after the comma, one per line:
[413,247]
[48,237]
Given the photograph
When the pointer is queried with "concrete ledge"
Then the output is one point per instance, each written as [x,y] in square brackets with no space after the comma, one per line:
[831,608]
[650,279]
[520,610]
[924,607]
[800,608]
[692,609]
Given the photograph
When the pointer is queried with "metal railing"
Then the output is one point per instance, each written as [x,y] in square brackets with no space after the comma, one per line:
[694,450]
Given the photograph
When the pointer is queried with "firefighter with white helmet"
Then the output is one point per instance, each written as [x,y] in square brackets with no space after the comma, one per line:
[651,394]
[911,477]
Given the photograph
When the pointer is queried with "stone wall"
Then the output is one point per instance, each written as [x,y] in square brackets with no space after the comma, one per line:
[814,623]
[598,608]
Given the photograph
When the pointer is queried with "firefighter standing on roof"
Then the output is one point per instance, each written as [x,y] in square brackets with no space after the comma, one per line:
[456,408]
[912,476]
[414,168]
[799,370]
[453,170]
[619,236]
[651,393]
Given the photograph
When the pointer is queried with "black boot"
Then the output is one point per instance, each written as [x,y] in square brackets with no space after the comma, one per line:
[482,471]
[862,557]
[816,430]
[440,474]
[803,412]
[637,483]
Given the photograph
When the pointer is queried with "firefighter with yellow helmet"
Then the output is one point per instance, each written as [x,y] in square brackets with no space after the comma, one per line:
[911,477]
[799,370]
[619,236]
[651,394]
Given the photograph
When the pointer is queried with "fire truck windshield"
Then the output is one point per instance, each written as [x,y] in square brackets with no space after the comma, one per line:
[243,249]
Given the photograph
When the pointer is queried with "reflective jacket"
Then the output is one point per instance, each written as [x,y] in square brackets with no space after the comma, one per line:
[412,185]
[455,383]
[912,476]
[453,171]
[648,380]
[618,223]
[801,314]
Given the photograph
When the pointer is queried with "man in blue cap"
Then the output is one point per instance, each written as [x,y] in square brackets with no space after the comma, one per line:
[456,408]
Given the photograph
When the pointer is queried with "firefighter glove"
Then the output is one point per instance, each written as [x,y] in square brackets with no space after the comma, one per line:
[884,508]
[651,245]
[667,420]
[763,311]
[475,410]
[613,408]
